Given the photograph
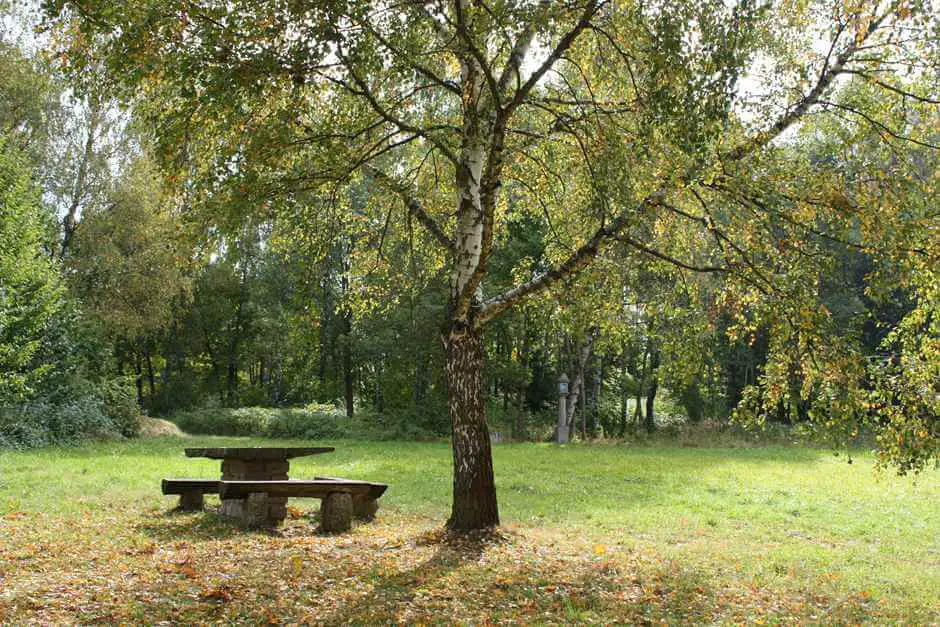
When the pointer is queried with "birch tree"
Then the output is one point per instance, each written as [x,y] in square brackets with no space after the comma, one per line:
[599,117]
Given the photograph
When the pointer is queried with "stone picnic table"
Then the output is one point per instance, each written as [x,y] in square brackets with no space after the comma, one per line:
[256,464]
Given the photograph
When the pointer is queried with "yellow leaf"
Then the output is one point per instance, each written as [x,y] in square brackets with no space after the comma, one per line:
[599,549]
[297,562]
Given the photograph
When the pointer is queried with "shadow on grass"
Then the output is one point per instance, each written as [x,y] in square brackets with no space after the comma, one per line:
[647,590]
[396,591]
[175,526]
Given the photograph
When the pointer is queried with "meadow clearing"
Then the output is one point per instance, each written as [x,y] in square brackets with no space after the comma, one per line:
[590,533]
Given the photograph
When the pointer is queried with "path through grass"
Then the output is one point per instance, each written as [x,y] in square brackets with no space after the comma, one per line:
[592,533]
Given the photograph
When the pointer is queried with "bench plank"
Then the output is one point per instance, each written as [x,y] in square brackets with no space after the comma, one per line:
[297,488]
[183,486]
[375,489]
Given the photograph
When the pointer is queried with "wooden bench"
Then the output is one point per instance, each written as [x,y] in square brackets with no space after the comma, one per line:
[342,498]
[191,491]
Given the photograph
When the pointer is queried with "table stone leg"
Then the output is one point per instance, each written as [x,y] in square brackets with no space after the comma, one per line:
[277,505]
[364,508]
[274,508]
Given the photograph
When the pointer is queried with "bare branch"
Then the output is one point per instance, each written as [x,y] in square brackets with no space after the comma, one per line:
[519,51]
[563,44]
[897,90]
[362,89]
[414,206]
[878,125]
[573,264]
[414,65]
[826,76]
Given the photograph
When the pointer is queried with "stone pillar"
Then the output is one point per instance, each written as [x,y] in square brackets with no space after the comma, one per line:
[191,502]
[364,507]
[336,512]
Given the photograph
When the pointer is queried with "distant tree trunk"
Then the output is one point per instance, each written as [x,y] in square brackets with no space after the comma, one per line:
[378,373]
[519,426]
[624,391]
[79,188]
[583,405]
[419,391]
[596,395]
[577,387]
[348,391]
[651,390]
[474,504]
[139,380]
[150,378]
[321,363]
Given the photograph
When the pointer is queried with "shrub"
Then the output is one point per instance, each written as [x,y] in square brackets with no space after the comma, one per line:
[41,423]
[120,405]
[312,422]
[76,410]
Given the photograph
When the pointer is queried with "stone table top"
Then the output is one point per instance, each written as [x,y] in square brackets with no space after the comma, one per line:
[257,453]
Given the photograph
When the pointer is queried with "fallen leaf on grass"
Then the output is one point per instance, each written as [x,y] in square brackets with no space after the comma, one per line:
[218,593]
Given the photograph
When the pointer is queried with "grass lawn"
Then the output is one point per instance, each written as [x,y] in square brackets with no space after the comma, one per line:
[592,533]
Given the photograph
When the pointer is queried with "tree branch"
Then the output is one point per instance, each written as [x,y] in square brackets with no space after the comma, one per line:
[574,263]
[563,44]
[826,76]
[414,206]
[364,91]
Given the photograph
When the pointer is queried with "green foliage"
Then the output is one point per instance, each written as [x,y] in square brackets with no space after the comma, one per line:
[126,261]
[715,214]
[42,423]
[31,294]
[26,101]
[78,410]
[120,405]
[51,388]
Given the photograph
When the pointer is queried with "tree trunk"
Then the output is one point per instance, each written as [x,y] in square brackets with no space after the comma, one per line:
[651,390]
[474,505]
[150,377]
[79,187]
[650,400]
[577,387]
[139,380]
[348,388]
[583,404]
[598,374]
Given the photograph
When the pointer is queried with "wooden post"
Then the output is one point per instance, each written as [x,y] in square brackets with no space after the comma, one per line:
[562,429]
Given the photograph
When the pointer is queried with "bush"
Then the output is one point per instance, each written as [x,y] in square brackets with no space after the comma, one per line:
[41,423]
[120,405]
[312,422]
[76,410]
